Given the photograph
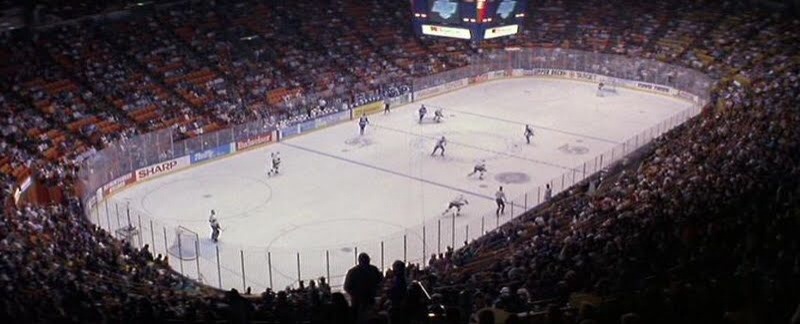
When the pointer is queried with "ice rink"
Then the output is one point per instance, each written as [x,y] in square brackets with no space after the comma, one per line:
[338,191]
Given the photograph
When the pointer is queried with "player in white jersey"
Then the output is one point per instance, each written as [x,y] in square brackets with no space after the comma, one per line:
[276,163]
[528,133]
[600,89]
[215,227]
[500,199]
[480,169]
[456,203]
[362,123]
[439,146]
[438,115]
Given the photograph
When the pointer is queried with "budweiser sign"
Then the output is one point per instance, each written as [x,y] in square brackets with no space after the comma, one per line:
[263,139]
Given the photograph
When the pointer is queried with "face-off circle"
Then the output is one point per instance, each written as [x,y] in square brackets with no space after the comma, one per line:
[573,149]
[512,177]
[359,142]
[486,146]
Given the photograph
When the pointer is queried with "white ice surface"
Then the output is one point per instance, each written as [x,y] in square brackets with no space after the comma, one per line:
[338,190]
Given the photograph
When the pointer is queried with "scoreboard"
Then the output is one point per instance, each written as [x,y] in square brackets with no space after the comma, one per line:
[468,19]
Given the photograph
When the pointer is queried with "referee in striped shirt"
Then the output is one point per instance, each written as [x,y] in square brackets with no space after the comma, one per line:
[500,198]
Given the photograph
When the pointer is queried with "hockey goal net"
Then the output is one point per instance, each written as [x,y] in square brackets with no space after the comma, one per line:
[185,244]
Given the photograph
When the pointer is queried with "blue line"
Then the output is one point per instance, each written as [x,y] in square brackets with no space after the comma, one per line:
[387,171]
[535,126]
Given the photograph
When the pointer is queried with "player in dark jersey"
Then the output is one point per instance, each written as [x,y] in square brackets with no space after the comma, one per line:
[362,123]
[528,133]
[439,146]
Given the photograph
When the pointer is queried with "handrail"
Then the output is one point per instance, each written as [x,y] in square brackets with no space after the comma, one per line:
[424,291]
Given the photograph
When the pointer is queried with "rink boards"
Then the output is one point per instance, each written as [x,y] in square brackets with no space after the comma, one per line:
[403,222]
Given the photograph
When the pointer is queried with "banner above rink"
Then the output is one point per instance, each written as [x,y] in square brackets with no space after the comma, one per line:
[442,31]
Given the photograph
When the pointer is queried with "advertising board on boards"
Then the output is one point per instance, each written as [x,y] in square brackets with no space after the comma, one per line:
[213,153]
[118,183]
[290,131]
[319,122]
[479,78]
[259,140]
[400,100]
[496,74]
[652,87]
[583,76]
[432,91]
[687,96]
[331,119]
[91,203]
[368,109]
[162,168]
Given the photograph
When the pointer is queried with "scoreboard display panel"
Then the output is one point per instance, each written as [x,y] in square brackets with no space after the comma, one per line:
[502,11]
[444,11]
[468,19]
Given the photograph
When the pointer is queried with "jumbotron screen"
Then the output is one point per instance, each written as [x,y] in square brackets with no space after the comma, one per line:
[468,19]
[505,10]
[444,11]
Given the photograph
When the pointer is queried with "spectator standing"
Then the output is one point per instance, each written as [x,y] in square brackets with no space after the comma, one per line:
[337,312]
[239,308]
[507,301]
[398,292]
[361,283]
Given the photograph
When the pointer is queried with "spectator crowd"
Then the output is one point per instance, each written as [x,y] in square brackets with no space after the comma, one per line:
[699,226]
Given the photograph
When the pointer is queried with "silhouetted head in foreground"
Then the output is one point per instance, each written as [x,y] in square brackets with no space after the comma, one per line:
[363,259]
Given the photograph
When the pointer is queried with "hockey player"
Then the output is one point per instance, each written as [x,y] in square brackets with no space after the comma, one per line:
[362,123]
[439,146]
[600,89]
[215,227]
[422,112]
[386,107]
[438,115]
[480,169]
[528,133]
[276,163]
[456,203]
[500,199]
